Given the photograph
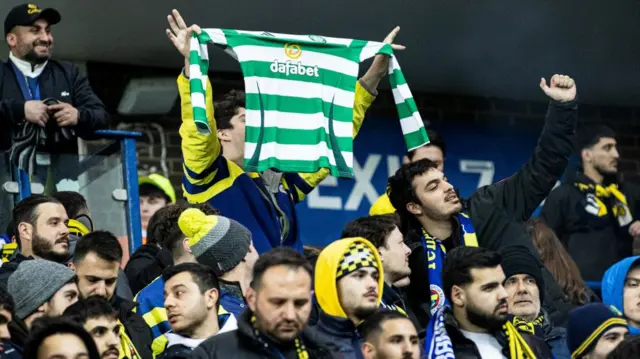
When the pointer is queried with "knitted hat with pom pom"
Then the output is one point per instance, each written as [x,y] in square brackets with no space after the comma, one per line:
[218,242]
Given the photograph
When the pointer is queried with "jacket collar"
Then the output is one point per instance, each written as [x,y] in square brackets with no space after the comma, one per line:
[391,298]
[455,233]
[459,340]
[232,288]
[247,334]
[25,66]
[177,339]
[122,305]
[547,325]
[580,177]
[336,326]
[227,323]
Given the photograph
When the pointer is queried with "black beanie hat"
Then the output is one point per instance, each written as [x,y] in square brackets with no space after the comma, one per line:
[520,260]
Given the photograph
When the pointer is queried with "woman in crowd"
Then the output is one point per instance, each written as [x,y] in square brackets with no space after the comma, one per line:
[557,260]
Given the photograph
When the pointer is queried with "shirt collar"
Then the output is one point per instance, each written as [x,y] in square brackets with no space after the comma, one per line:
[25,66]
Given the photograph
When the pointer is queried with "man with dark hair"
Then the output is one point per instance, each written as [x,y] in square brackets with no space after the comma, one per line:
[476,323]
[97,260]
[42,288]
[389,335]
[151,258]
[100,320]
[434,151]
[151,298]
[41,229]
[80,224]
[29,78]
[267,199]
[348,287]
[525,289]
[593,211]
[149,261]
[279,305]
[435,219]
[382,231]
[59,338]
[156,192]
[226,246]
[75,203]
[192,294]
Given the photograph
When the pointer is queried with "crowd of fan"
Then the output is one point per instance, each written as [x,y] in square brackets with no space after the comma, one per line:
[224,274]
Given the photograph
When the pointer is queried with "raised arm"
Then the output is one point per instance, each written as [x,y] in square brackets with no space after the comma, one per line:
[523,192]
[553,211]
[365,94]
[200,152]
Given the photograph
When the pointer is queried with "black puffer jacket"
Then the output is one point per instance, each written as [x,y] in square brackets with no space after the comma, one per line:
[498,212]
[243,344]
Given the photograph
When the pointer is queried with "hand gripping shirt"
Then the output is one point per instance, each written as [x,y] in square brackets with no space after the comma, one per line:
[299,97]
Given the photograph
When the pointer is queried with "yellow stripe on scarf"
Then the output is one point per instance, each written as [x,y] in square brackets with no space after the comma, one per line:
[518,347]
[127,349]
[606,192]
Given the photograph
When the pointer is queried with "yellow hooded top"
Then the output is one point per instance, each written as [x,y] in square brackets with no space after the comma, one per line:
[327,265]
[382,206]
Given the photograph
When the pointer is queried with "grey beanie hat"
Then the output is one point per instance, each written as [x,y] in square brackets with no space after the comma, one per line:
[216,241]
[35,282]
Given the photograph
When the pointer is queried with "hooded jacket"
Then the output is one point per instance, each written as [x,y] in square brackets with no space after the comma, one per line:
[613,286]
[335,330]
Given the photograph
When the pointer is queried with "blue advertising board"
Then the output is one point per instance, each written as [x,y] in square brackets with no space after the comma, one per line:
[477,155]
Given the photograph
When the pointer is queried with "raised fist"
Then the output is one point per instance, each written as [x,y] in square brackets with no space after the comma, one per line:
[561,88]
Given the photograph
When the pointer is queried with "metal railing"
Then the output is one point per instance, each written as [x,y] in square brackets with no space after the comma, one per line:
[107,177]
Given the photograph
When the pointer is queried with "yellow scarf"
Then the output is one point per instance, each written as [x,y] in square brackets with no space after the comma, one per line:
[518,347]
[598,193]
[127,349]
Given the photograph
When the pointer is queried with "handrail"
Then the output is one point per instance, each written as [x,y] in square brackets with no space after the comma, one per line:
[118,134]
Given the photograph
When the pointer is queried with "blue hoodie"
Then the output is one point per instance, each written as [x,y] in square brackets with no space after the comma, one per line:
[613,286]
